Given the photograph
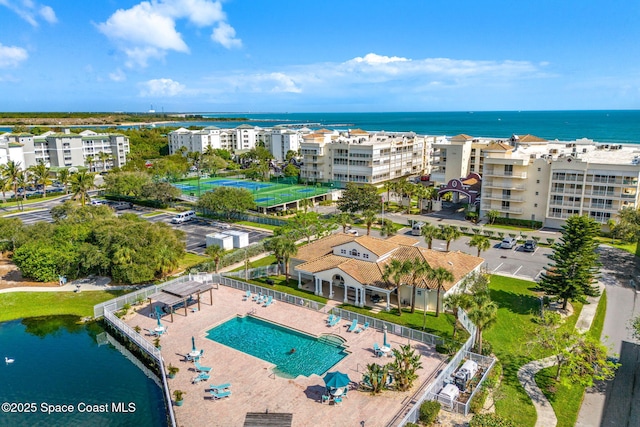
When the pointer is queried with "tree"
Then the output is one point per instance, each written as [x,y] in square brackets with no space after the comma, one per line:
[369,217]
[291,170]
[81,183]
[440,275]
[483,312]
[574,265]
[635,327]
[628,226]
[126,183]
[216,253]
[5,183]
[387,228]
[40,173]
[161,191]
[343,219]
[283,247]
[429,232]
[449,233]
[419,269]
[227,200]
[12,171]
[104,157]
[377,377]
[396,270]
[482,243]
[454,302]
[64,177]
[405,367]
[359,198]
[492,215]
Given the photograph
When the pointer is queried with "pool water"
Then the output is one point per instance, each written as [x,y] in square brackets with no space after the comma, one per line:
[274,343]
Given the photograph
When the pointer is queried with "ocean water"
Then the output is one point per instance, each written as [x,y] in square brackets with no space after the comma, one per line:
[62,377]
[617,126]
[613,126]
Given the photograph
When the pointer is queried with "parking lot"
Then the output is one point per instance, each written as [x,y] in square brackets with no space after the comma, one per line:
[196,231]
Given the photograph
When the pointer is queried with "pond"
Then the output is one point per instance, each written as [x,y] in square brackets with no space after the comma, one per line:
[65,373]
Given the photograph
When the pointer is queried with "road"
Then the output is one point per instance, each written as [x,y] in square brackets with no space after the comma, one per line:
[615,403]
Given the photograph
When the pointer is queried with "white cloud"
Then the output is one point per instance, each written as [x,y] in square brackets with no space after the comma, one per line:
[376,75]
[31,11]
[148,29]
[12,56]
[118,76]
[161,87]
[225,35]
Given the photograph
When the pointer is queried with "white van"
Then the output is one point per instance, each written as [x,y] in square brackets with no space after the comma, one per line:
[183,217]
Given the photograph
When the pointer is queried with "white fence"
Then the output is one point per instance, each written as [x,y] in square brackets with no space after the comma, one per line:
[255,273]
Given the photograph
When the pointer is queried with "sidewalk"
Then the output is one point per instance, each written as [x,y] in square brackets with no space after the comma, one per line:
[86,284]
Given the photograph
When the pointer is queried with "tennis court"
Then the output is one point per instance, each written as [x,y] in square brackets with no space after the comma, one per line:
[265,194]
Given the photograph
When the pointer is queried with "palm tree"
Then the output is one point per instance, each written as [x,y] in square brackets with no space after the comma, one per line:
[81,183]
[492,215]
[216,253]
[283,247]
[454,302]
[63,177]
[5,183]
[404,367]
[12,171]
[388,186]
[432,194]
[429,232]
[481,242]
[421,194]
[89,162]
[377,376]
[369,218]
[40,174]
[104,157]
[483,313]
[419,268]
[343,219]
[450,233]
[395,271]
[440,275]
[22,182]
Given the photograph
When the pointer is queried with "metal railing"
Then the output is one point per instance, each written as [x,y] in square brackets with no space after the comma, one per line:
[430,392]
[254,273]
[392,328]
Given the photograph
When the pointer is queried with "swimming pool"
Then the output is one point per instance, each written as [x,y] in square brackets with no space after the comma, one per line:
[274,343]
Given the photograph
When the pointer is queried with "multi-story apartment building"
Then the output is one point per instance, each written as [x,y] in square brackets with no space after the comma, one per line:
[360,156]
[68,149]
[241,138]
[550,181]
[282,140]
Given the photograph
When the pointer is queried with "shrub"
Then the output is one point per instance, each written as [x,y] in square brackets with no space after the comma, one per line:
[429,412]
[490,420]
[487,348]
[477,403]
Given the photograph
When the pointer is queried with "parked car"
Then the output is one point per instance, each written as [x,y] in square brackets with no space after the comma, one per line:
[530,246]
[508,243]
[353,232]
[97,202]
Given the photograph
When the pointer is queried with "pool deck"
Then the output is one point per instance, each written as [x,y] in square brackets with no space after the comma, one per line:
[255,388]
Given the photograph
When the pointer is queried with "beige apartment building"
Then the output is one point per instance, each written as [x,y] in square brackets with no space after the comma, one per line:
[550,181]
[362,157]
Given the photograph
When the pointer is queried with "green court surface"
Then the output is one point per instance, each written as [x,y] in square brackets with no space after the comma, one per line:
[265,194]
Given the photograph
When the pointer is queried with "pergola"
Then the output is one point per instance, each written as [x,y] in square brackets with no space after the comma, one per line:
[180,293]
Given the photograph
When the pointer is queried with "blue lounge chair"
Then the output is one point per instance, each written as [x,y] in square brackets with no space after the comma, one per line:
[337,400]
[262,299]
[219,388]
[201,368]
[330,319]
[362,328]
[353,326]
[221,395]
[200,377]
[326,398]
[257,296]
[336,320]
[268,302]
[247,296]
[377,350]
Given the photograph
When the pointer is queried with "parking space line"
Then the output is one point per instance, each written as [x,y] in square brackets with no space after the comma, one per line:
[516,272]
[498,267]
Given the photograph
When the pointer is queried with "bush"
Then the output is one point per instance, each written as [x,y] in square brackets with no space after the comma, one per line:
[429,412]
[477,403]
[490,420]
[487,348]
[518,222]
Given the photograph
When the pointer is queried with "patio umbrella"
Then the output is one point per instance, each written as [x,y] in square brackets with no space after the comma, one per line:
[159,324]
[336,379]
[193,344]
[385,337]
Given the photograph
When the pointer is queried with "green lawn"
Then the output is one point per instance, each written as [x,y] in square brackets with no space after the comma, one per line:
[189,260]
[511,338]
[628,247]
[18,305]
[565,400]
[290,287]
[268,260]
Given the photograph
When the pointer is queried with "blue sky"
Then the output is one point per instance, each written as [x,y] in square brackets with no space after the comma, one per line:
[318,56]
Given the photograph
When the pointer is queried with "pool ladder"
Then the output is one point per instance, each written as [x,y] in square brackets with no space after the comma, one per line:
[252,311]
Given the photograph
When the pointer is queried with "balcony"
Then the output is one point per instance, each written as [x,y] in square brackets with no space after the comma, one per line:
[509,210]
[501,197]
[504,186]
[565,204]
[505,174]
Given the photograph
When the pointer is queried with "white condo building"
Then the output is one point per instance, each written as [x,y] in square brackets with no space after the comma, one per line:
[68,149]
[241,138]
[362,157]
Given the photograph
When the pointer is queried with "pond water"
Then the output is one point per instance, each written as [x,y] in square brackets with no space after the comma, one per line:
[68,374]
